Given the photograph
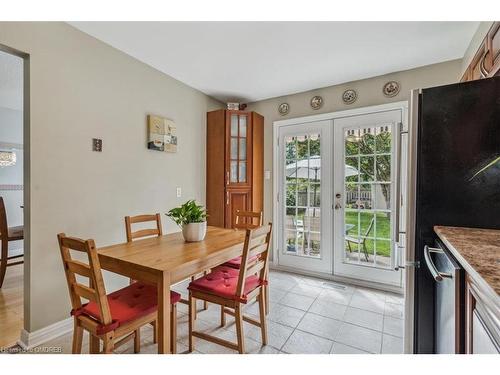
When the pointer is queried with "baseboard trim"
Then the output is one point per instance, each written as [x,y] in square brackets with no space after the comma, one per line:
[30,340]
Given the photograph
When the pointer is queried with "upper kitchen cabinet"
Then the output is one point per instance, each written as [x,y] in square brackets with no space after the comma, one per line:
[486,61]
[235,163]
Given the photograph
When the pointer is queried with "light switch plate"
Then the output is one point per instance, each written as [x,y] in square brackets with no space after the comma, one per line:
[267,175]
[178,191]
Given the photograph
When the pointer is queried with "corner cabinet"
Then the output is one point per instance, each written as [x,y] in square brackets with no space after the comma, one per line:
[235,164]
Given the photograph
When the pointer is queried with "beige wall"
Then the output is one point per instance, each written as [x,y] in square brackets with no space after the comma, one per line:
[369,93]
[474,44]
[81,88]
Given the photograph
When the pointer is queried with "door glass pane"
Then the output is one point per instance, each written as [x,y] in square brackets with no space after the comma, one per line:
[234,172]
[243,149]
[367,187]
[242,171]
[243,126]
[234,148]
[290,148]
[234,125]
[303,195]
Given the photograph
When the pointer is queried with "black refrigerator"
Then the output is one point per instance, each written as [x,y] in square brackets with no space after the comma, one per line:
[454,180]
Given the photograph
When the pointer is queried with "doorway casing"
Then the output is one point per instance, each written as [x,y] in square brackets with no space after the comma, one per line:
[26,179]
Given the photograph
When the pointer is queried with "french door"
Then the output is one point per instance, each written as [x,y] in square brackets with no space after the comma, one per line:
[336,196]
[364,185]
[304,201]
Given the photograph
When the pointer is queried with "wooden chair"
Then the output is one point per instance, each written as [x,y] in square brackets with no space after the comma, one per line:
[129,220]
[115,318]
[232,289]
[246,220]
[360,241]
[6,235]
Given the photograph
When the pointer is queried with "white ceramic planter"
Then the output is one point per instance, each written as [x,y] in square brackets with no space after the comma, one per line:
[194,232]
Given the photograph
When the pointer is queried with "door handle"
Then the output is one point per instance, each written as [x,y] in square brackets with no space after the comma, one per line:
[338,206]
[227,178]
[227,198]
[397,204]
[438,276]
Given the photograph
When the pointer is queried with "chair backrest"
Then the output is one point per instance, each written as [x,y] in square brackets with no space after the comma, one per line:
[247,219]
[4,228]
[256,245]
[370,227]
[95,291]
[129,220]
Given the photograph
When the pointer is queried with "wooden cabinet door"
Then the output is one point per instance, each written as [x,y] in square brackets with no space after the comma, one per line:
[477,66]
[238,149]
[493,43]
[236,199]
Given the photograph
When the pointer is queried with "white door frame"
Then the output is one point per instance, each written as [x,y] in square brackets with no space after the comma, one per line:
[401,105]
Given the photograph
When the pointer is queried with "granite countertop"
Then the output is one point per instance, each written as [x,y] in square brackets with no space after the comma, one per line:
[479,248]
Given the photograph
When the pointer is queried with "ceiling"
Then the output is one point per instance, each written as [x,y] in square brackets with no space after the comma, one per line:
[11,81]
[250,61]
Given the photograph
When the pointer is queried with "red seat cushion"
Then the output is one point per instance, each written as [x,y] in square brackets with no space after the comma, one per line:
[127,304]
[222,282]
[236,262]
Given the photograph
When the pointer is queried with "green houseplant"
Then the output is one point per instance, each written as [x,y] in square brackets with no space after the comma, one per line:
[192,218]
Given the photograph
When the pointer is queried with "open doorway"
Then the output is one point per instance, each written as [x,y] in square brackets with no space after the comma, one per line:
[12,193]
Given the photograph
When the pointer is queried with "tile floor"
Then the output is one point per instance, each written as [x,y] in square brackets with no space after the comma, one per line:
[307,315]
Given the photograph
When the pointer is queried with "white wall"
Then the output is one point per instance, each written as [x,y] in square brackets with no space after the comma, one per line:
[82,88]
[11,131]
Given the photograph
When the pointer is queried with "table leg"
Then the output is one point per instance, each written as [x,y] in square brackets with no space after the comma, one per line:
[164,314]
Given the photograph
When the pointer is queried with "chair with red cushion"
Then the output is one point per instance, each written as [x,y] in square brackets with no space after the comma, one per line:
[233,288]
[115,318]
[246,220]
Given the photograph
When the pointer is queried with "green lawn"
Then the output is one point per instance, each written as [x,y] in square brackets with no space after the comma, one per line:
[381,231]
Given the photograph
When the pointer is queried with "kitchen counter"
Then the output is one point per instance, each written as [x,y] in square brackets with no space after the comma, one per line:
[478,251]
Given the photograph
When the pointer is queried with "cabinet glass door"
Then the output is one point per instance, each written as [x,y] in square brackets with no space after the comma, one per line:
[238,150]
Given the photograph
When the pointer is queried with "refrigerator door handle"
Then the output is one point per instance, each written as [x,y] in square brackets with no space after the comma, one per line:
[438,276]
[397,204]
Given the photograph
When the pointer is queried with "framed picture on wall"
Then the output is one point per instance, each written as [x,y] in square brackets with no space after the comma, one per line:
[162,134]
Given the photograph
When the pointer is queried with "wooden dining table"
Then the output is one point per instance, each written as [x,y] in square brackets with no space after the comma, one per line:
[167,260]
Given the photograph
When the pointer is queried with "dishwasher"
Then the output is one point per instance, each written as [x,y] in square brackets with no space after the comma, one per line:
[449,277]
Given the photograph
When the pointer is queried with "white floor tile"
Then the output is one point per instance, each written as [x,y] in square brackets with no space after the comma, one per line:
[395,298]
[307,290]
[305,343]
[365,300]
[320,326]
[297,301]
[338,296]
[328,308]
[339,348]
[359,337]
[285,315]
[277,334]
[394,310]
[392,345]
[364,318]
[393,326]
[275,295]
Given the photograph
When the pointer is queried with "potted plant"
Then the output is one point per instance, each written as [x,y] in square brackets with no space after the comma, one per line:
[192,219]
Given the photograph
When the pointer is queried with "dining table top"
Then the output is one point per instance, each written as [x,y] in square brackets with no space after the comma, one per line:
[169,252]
